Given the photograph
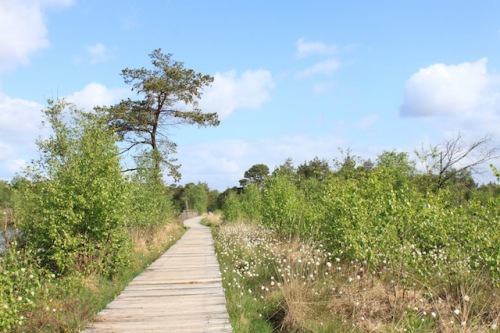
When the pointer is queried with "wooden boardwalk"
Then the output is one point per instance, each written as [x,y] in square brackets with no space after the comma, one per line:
[179,292]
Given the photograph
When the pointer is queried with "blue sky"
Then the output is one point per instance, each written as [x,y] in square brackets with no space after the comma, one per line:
[292,78]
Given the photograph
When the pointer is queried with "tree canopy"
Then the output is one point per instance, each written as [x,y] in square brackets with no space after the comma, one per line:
[168,96]
[256,173]
[316,168]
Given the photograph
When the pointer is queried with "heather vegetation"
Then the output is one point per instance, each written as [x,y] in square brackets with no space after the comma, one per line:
[365,246]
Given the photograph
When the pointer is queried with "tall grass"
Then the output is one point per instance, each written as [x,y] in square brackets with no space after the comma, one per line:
[281,284]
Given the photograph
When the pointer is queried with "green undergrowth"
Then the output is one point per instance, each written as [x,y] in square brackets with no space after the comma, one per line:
[40,301]
[283,284]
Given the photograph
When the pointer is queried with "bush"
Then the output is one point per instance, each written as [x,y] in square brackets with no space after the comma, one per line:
[251,203]
[149,202]
[379,217]
[231,209]
[282,205]
[72,213]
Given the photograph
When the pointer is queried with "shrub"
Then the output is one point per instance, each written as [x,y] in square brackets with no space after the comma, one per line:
[282,205]
[251,205]
[149,202]
[231,210]
[72,213]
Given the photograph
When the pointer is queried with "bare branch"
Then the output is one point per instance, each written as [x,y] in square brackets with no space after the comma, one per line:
[456,156]
[131,146]
[128,170]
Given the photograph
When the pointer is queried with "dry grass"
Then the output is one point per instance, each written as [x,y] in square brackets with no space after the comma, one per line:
[212,220]
[155,239]
[310,288]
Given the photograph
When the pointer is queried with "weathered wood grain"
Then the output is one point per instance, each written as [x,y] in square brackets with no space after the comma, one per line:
[179,292]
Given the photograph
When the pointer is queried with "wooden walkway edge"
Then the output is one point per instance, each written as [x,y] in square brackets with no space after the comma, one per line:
[179,292]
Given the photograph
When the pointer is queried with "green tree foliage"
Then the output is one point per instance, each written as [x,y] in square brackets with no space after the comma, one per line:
[496,172]
[221,199]
[231,209]
[169,95]
[178,201]
[72,213]
[5,194]
[213,202]
[257,173]
[250,202]
[244,182]
[149,200]
[383,216]
[362,214]
[346,165]
[486,193]
[23,287]
[196,197]
[316,168]
[398,164]
[286,168]
[367,165]
[282,204]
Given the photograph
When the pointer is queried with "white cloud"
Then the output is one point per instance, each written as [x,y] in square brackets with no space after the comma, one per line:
[96,94]
[230,92]
[448,89]
[462,97]
[19,128]
[305,49]
[222,164]
[98,53]
[16,165]
[27,33]
[19,119]
[326,68]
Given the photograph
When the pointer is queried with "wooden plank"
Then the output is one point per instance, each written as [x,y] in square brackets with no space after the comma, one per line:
[179,292]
